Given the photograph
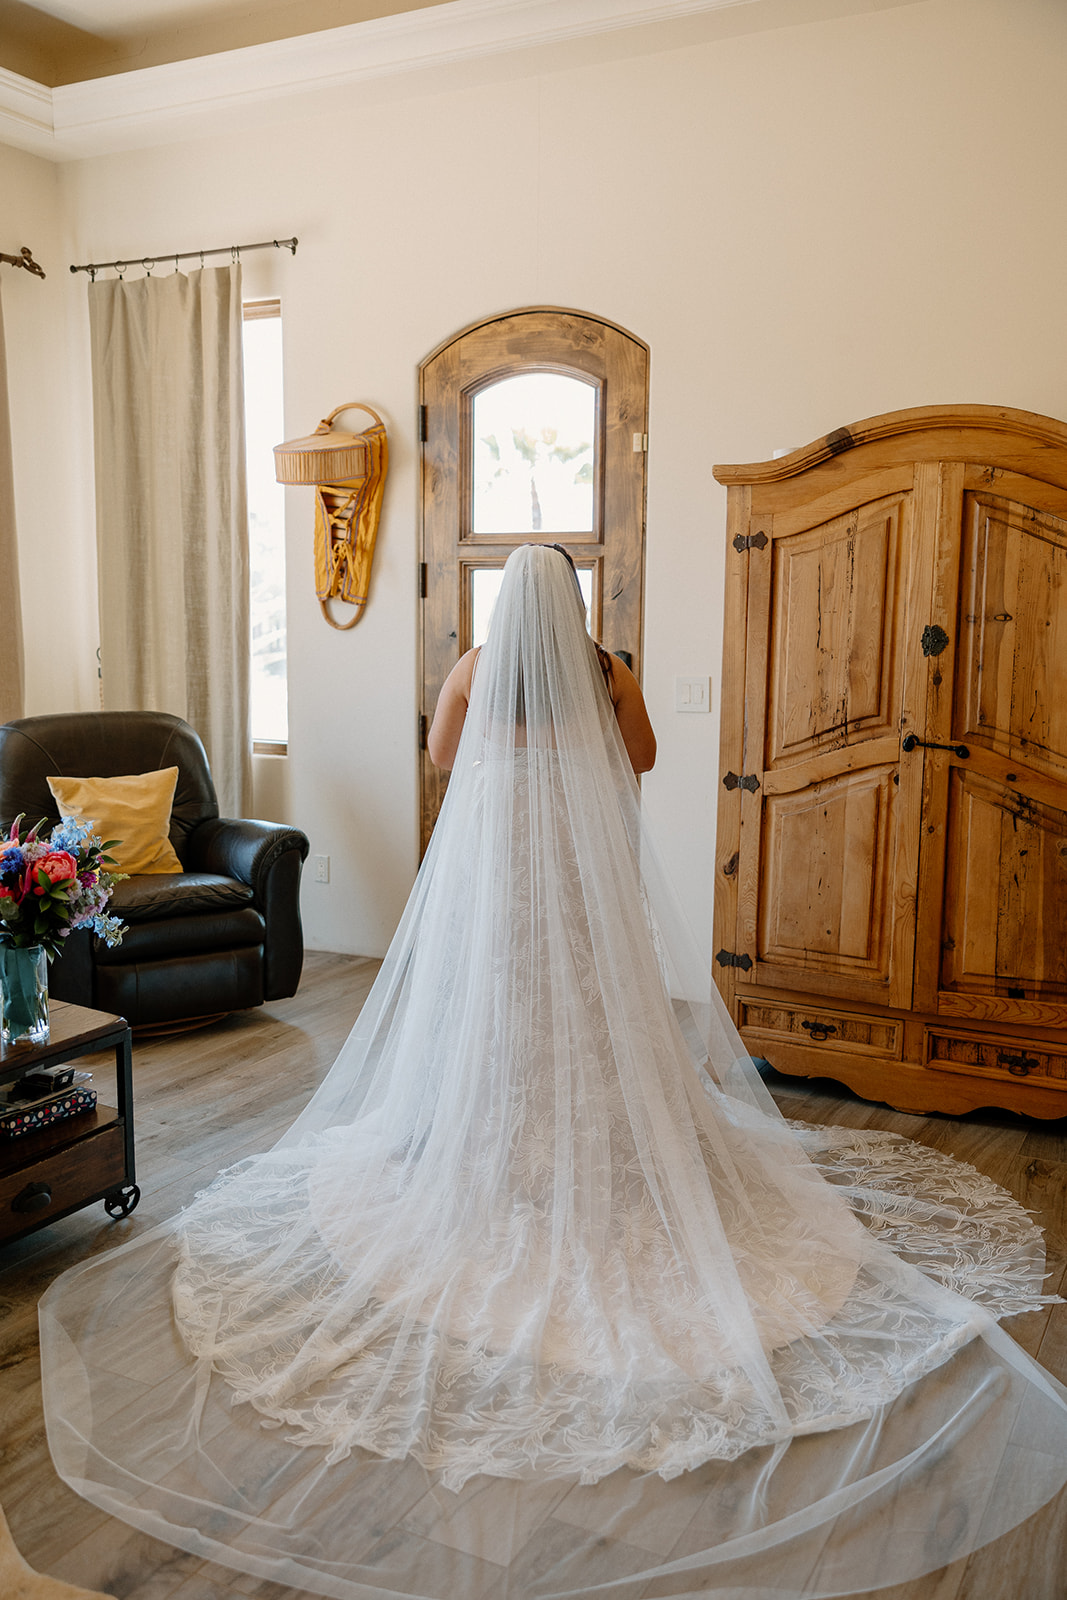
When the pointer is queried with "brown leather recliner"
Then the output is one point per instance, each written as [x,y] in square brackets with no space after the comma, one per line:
[222,935]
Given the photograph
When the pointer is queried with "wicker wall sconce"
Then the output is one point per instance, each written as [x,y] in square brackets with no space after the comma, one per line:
[347,471]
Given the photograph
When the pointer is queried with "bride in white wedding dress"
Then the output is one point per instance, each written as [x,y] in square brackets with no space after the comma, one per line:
[541,1296]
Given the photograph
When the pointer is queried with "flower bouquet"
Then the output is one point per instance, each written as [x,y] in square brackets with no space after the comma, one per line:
[48,888]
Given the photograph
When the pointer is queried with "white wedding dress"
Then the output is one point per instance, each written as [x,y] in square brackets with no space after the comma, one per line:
[541,1296]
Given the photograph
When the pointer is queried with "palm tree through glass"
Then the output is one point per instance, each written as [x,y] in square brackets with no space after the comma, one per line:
[534,455]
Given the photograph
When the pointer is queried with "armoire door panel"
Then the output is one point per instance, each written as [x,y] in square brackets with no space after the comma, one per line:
[835,632]
[1011,685]
[824,867]
[824,883]
[1018,487]
[1005,906]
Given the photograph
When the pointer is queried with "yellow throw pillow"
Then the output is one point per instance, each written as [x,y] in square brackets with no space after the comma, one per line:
[135,810]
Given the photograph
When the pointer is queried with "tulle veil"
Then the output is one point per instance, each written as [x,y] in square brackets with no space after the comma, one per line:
[541,1297]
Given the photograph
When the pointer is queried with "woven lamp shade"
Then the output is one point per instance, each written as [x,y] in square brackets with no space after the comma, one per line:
[326,456]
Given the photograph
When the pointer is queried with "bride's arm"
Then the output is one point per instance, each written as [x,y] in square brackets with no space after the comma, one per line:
[442,741]
[632,716]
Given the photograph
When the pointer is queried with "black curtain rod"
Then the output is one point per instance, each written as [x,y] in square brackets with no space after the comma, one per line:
[24,259]
[148,262]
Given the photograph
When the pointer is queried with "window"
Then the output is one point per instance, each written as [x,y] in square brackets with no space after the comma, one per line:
[533,428]
[534,442]
[266,525]
[485,586]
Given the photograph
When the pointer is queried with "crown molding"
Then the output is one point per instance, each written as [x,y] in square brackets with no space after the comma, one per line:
[179,99]
[26,114]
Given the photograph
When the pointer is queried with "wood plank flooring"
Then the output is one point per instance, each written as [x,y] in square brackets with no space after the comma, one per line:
[206,1099]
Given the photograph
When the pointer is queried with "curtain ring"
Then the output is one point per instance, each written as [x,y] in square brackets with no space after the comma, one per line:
[201,261]
[147,265]
[235,255]
[176,261]
[120,268]
[92,274]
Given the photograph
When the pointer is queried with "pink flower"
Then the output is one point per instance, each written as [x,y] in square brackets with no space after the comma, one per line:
[59,865]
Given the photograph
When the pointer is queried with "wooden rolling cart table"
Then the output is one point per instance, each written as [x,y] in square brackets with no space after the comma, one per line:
[58,1169]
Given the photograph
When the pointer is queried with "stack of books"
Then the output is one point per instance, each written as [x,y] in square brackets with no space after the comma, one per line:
[42,1097]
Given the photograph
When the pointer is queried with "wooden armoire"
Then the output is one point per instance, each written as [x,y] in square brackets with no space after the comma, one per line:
[891,856]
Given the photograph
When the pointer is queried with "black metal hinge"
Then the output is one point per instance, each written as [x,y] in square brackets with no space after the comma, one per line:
[422,730]
[422,580]
[750,541]
[727,958]
[749,782]
[423,425]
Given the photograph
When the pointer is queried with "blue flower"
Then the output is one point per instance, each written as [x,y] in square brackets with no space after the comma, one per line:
[70,834]
[12,860]
[110,929]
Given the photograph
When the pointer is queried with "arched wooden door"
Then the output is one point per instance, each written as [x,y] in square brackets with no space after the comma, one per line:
[533,427]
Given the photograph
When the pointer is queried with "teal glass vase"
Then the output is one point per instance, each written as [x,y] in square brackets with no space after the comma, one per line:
[23,994]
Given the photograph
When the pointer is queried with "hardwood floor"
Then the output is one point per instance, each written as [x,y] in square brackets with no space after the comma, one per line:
[204,1100]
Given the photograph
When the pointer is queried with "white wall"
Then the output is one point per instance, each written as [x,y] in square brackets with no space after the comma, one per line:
[51,441]
[809,225]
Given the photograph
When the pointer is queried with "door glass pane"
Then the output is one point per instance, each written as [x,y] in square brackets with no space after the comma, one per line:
[534,455]
[485,586]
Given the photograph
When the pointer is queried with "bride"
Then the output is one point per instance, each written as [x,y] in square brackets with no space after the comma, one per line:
[541,1296]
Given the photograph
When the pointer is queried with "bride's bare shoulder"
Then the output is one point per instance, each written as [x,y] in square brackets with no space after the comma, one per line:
[442,740]
[459,679]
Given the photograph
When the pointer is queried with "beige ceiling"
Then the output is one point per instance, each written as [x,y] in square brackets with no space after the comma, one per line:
[69,41]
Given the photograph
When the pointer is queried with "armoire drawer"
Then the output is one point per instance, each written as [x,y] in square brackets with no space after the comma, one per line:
[813,1023]
[997,1056]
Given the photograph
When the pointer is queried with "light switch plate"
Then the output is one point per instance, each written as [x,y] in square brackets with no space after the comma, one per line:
[692,694]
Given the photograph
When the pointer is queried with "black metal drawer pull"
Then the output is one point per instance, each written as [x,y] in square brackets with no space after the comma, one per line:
[819,1030]
[912,742]
[35,1197]
[1018,1066]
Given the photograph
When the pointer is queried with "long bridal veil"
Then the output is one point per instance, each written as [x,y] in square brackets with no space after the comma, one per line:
[541,1296]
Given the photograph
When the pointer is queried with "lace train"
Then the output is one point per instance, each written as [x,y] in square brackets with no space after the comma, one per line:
[540,1296]
[328,1370]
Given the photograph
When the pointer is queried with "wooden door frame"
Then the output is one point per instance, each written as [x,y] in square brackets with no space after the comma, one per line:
[583,345]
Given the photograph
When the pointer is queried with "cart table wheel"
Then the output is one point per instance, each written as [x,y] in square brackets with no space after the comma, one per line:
[123,1201]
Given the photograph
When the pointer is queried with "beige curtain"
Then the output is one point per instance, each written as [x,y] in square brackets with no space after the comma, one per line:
[172,536]
[11,668]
